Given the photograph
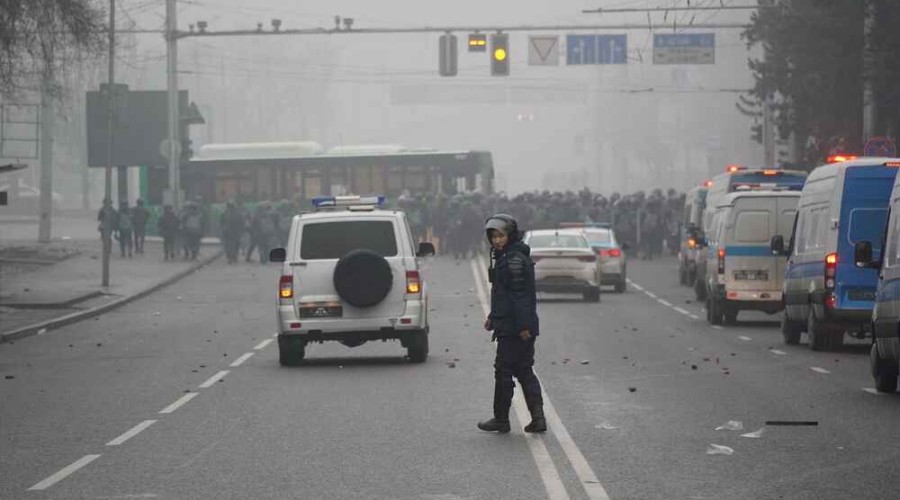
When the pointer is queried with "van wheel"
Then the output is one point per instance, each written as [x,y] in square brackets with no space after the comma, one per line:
[713,311]
[790,330]
[730,315]
[290,352]
[700,289]
[884,371]
[417,347]
[819,335]
[621,286]
[592,295]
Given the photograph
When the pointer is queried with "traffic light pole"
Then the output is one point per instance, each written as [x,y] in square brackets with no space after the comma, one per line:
[172,91]
[106,223]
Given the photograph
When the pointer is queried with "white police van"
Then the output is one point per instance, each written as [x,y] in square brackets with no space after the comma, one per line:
[351,274]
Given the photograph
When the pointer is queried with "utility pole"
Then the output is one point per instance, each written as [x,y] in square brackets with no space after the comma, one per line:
[869,111]
[106,234]
[174,124]
[46,117]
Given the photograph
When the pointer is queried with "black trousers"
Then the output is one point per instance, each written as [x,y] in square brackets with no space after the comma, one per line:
[515,358]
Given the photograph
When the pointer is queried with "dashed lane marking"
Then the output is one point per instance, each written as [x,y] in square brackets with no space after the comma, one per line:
[694,316]
[553,484]
[262,345]
[134,431]
[64,473]
[819,370]
[212,380]
[873,391]
[779,352]
[238,362]
[180,402]
[745,338]
[651,294]
[717,327]
[664,302]
[682,311]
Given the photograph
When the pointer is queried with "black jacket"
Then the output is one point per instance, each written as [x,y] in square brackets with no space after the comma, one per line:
[513,296]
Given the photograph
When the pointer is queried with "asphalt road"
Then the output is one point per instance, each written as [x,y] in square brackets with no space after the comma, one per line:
[635,422]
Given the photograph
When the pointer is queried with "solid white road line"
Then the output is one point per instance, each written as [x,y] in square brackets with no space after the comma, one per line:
[745,338]
[212,380]
[131,433]
[262,345]
[179,403]
[651,294]
[872,390]
[682,311]
[592,486]
[664,302]
[779,352]
[819,370]
[547,469]
[64,473]
[238,362]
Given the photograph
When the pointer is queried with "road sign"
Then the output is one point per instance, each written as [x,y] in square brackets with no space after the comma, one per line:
[596,49]
[684,48]
[543,51]
[880,146]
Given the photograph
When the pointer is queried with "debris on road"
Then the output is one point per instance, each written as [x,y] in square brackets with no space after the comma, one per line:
[793,422]
[731,425]
[42,331]
[9,377]
[718,449]
[754,434]
[584,362]
[157,313]
[632,389]
[606,426]
[451,364]
[693,367]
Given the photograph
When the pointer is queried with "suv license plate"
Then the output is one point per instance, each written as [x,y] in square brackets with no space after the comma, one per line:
[321,311]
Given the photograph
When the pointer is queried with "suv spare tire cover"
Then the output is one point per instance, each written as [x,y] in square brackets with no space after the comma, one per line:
[363,278]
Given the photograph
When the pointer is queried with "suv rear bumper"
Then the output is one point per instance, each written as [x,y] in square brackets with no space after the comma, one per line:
[386,333]
[414,319]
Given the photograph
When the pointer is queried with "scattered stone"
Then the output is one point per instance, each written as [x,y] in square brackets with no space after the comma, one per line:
[693,367]
[9,377]
[706,359]
[446,350]
[733,354]
[624,357]
[99,344]
[202,366]
[632,389]
[225,355]
[70,345]
[451,365]
[585,362]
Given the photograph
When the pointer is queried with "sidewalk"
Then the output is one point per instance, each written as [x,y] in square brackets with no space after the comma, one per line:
[46,286]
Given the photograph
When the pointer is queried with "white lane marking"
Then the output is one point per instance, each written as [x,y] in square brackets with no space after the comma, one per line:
[779,352]
[819,370]
[682,311]
[717,327]
[635,285]
[238,362]
[664,302]
[137,429]
[64,473]
[694,316]
[179,403]
[547,469]
[262,345]
[873,391]
[651,294]
[212,380]
[745,338]
[592,486]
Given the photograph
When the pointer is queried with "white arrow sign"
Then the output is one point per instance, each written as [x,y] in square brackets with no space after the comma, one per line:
[543,51]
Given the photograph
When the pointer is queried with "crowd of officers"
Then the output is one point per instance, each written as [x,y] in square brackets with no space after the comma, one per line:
[647,223]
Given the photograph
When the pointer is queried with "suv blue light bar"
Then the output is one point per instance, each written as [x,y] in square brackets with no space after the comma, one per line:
[348,201]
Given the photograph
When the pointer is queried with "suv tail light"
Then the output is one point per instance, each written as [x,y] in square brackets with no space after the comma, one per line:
[721,260]
[286,287]
[831,261]
[612,252]
[413,282]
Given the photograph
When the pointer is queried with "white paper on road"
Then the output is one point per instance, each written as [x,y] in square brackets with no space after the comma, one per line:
[718,449]
[754,434]
[731,425]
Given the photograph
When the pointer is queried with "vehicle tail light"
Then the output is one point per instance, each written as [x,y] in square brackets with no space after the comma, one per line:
[587,258]
[413,283]
[286,287]
[770,172]
[831,261]
[612,252]
[721,256]
[734,168]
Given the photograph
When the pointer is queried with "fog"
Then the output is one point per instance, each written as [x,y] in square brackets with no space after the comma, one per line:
[609,127]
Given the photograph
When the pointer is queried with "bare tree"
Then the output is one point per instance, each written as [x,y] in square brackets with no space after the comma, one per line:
[39,39]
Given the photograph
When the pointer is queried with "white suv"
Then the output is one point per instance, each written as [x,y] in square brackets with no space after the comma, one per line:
[350,273]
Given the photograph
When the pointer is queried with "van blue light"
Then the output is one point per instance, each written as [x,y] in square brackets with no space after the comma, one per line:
[348,201]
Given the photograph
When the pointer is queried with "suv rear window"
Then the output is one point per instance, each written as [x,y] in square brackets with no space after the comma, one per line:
[333,240]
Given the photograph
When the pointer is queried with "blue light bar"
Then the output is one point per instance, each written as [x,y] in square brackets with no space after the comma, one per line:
[348,201]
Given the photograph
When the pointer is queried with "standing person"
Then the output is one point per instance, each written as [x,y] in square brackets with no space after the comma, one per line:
[125,229]
[139,217]
[107,217]
[192,230]
[168,229]
[514,321]
[232,230]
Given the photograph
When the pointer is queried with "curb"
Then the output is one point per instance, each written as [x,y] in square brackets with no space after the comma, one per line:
[55,323]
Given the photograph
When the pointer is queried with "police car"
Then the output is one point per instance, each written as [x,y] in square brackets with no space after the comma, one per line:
[350,273]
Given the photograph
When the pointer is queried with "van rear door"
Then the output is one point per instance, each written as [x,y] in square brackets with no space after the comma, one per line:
[750,265]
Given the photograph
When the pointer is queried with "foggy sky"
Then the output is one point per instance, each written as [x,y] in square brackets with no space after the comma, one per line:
[573,123]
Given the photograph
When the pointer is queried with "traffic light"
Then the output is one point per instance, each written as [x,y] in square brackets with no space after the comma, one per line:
[500,54]
[477,43]
[448,56]
[757,133]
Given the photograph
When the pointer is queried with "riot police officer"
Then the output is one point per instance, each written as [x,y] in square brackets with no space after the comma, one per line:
[514,321]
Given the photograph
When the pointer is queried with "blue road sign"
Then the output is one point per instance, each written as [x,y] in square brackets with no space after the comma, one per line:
[684,48]
[596,49]
[880,146]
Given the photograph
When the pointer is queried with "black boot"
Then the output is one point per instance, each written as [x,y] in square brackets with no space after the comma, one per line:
[494,425]
[538,422]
